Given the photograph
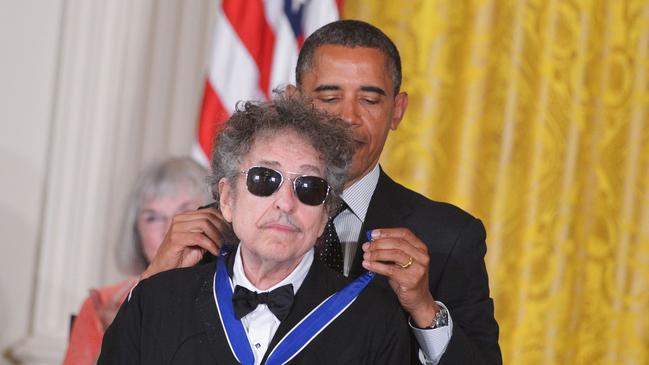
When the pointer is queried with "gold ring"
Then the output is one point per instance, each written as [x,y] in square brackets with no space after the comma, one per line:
[405,266]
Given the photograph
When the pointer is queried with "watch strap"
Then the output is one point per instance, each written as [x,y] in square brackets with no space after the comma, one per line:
[440,319]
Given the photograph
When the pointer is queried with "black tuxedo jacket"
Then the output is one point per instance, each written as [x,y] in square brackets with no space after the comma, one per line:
[171,318]
[457,275]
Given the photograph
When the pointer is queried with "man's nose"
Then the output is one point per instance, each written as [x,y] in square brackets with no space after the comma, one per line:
[349,112]
[285,198]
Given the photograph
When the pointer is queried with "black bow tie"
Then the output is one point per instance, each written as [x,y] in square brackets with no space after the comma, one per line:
[279,301]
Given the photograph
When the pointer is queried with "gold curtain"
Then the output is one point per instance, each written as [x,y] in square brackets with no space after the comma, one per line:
[534,116]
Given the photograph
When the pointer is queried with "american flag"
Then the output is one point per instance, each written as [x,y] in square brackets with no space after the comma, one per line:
[254,50]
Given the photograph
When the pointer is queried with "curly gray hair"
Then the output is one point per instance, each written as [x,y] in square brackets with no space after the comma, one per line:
[328,135]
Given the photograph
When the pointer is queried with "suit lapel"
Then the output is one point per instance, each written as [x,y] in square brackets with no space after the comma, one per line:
[317,286]
[386,210]
[206,307]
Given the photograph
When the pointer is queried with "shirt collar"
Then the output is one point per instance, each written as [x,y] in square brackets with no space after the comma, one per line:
[296,277]
[358,195]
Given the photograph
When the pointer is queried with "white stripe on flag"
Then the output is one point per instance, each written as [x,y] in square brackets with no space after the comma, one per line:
[317,14]
[285,51]
[285,55]
[233,72]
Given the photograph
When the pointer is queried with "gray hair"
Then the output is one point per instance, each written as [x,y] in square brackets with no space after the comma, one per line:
[327,134]
[350,33]
[162,179]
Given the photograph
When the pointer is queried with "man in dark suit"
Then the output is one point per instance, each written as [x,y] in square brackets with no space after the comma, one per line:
[431,254]
[277,172]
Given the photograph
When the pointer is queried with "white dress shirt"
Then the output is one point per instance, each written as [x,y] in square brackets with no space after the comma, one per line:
[261,323]
[432,342]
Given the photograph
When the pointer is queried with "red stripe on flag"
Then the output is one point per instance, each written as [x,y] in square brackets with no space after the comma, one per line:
[249,22]
[213,114]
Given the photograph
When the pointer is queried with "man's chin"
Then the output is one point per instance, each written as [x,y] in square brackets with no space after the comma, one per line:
[278,258]
[356,172]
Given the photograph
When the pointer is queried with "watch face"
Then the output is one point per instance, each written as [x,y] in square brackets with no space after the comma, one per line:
[441,319]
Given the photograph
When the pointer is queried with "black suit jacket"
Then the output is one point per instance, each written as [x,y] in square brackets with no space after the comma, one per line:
[172,318]
[457,275]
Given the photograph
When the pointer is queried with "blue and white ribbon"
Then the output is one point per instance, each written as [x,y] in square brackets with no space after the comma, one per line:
[298,337]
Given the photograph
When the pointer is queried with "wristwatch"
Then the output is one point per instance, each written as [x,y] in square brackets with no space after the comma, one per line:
[440,320]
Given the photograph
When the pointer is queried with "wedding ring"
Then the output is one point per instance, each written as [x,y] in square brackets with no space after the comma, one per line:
[407,265]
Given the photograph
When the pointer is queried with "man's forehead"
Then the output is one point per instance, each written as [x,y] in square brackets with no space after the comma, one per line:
[284,150]
[342,51]
[335,67]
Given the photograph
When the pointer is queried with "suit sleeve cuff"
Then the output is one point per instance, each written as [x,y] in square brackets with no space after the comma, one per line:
[432,342]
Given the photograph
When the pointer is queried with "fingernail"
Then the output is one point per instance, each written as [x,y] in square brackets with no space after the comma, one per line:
[374,234]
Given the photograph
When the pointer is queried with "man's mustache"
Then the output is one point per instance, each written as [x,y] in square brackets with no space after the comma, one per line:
[282,218]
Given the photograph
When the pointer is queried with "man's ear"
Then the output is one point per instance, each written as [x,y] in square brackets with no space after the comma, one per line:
[400,105]
[291,90]
[225,199]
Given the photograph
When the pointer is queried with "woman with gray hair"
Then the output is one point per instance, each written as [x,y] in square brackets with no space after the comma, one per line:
[163,190]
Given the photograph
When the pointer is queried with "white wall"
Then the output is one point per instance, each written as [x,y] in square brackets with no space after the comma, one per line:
[29,35]
[90,91]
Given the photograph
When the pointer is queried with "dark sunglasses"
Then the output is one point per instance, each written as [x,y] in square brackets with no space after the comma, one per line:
[264,181]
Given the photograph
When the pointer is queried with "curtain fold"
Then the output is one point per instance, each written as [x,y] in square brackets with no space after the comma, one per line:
[532,115]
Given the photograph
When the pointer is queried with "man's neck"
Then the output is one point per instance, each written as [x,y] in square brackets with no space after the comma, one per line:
[355,180]
[358,195]
[264,274]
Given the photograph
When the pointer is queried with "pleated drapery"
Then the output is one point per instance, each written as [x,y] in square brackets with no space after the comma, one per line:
[533,115]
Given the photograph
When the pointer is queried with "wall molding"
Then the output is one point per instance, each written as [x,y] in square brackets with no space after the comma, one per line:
[128,90]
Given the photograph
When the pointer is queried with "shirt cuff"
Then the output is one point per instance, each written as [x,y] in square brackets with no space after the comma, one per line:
[433,342]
